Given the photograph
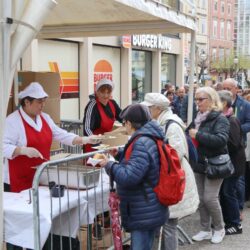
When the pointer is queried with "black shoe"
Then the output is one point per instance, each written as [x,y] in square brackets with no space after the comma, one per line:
[97,232]
[237,229]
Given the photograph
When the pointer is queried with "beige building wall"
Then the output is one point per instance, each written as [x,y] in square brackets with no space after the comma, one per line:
[30,59]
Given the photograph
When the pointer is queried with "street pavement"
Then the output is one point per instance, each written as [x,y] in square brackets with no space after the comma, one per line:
[235,242]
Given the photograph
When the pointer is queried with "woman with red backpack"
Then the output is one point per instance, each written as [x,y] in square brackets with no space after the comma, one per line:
[141,212]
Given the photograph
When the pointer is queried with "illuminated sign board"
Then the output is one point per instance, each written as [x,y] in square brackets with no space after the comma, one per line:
[152,42]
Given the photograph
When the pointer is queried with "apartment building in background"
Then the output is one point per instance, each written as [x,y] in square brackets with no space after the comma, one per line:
[242,27]
[199,9]
[220,33]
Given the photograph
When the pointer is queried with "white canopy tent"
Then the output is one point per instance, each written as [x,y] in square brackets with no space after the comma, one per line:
[23,20]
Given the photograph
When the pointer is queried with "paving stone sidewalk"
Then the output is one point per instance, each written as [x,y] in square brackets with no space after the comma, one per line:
[234,242]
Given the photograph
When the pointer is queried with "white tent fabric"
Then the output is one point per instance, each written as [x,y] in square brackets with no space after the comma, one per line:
[113,17]
[72,18]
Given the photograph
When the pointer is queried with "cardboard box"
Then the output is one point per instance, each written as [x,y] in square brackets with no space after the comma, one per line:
[119,140]
[120,130]
[51,84]
[55,146]
[52,107]
[49,80]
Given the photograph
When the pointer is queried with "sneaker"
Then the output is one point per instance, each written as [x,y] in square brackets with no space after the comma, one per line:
[202,235]
[218,236]
[237,229]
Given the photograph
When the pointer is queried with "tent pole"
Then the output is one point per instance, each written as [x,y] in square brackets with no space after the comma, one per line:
[191,82]
[5,11]
[1,119]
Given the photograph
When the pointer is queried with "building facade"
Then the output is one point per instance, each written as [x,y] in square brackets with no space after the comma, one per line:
[137,64]
[242,27]
[221,33]
[200,10]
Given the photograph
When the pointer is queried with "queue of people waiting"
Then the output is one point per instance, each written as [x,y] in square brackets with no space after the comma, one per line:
[220,126]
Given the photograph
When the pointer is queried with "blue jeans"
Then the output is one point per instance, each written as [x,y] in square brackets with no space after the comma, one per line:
[241,191]
[229,201]
[142,240]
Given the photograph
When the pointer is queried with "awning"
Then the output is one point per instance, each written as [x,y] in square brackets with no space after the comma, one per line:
[76,18]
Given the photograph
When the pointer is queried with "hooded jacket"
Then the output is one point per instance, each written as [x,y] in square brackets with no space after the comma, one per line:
[140,208]
[177,140]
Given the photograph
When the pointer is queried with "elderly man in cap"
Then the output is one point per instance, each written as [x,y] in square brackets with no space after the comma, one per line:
[142,214]
[173,128]
[28,135]
[101,111]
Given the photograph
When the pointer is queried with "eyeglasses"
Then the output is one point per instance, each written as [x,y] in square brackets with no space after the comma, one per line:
[200,99]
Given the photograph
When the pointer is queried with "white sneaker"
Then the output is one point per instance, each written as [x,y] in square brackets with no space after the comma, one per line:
[218,236]
[202,235]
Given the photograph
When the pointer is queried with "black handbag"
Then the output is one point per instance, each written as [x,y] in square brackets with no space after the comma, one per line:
[199,167]
[219,167]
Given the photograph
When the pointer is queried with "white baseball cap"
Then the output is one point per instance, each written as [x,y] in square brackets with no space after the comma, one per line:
[104,81]
[34,90]
[156,99]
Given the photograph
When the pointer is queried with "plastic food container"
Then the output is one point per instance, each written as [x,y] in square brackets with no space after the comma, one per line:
[57,190]
[81,177]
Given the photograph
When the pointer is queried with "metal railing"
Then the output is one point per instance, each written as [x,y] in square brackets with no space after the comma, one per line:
[81,209]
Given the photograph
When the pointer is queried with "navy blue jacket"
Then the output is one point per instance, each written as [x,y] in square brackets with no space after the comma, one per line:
[184,109]
[242,112]
[140,208]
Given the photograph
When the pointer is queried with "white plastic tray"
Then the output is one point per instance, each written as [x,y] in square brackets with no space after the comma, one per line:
[68,176]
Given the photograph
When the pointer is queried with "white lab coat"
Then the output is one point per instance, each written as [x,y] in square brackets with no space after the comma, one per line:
[14,135]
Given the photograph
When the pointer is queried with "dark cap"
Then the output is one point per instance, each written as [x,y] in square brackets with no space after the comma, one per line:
[136,113]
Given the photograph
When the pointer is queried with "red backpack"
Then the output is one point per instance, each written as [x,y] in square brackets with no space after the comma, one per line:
[171,185]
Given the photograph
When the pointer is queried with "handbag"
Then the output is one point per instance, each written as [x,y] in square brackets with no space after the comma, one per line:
[199,167]
[219,167]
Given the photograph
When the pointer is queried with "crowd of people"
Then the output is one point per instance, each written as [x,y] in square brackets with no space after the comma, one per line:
[220,126]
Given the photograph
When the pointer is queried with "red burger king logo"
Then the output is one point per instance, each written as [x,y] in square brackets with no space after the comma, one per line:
[103,69]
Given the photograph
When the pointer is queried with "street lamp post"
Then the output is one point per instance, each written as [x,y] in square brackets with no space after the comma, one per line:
[203,58]
[236,61]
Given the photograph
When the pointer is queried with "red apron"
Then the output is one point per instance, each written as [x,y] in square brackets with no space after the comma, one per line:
[20,168]
[106,123]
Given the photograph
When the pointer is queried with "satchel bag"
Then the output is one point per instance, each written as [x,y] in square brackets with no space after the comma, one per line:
[219,167]
[199,167]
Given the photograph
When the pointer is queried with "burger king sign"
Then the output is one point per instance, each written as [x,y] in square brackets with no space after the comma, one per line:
[102,69]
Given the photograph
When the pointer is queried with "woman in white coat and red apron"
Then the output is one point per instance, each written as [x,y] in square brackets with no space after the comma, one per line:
[101,112]
[28,135]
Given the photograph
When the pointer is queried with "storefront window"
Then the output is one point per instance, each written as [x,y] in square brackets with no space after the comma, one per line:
[141,74]
[168,69]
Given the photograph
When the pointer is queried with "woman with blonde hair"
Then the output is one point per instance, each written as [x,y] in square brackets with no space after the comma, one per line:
[210,133]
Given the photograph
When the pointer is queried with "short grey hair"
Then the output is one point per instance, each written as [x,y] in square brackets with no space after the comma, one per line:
[226,96]
[232,81]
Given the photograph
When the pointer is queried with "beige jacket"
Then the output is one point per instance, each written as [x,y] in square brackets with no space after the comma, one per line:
[177,139]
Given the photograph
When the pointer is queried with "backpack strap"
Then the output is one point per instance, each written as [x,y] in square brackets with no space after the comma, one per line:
[128,150]
[171,121]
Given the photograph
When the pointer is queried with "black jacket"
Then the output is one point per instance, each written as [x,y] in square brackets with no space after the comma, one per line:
[236,147]
[212,136]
